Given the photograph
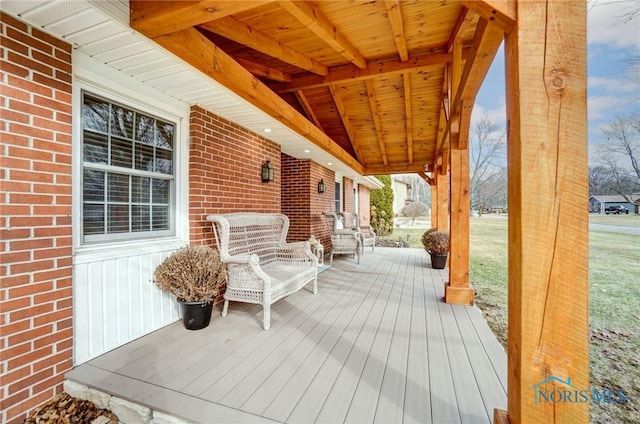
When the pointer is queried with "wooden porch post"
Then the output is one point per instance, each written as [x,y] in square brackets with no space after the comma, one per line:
[434,203]
[458,289]
[442,185]
[548,213]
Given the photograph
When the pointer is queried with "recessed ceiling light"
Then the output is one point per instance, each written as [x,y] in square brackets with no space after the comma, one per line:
[329,163]
[307,150]
[267,130]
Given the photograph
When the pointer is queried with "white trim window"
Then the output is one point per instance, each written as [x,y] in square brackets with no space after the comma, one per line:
[128,172]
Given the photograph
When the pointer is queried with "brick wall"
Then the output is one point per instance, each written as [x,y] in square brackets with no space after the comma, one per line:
[348,201]
[320,203]
[364,205]
[224,172]
[297,191]
[35,218]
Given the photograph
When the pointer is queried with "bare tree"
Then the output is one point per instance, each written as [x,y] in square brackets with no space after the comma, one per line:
[487,173]
[619,156]
[414,210]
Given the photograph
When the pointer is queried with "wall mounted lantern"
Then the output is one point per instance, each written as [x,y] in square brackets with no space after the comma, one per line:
[321,187]
[268,172]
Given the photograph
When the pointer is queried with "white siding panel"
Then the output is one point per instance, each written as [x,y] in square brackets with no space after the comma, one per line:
[116,302]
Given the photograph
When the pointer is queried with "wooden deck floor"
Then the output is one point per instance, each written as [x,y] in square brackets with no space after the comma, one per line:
[376,344]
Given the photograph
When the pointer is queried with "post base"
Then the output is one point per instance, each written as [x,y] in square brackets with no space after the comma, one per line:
[459,295]
[500,416]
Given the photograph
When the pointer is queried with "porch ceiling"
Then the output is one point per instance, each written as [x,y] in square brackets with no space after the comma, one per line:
[378,85]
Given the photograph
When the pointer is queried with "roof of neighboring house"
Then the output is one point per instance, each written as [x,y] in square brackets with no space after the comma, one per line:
[611,198]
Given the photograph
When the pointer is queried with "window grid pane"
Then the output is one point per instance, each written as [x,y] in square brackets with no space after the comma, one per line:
[114,201]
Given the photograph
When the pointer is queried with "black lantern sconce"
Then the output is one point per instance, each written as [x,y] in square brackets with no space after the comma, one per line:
[321,187]
[268,172]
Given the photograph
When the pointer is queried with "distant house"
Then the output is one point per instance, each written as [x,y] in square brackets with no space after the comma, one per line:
[597,204]
[401,194]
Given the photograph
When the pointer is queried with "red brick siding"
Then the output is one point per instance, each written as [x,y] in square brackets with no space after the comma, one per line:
[35,290]
[320,203]
[224,172]
[364,205]
[348,203]
[297,191]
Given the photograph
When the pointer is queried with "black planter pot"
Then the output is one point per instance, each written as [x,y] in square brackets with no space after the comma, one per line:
[438,261]
[195,315]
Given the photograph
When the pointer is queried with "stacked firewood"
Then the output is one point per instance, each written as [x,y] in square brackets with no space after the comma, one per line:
[64,409]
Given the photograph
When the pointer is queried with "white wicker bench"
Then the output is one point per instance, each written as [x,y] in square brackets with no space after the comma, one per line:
[261,266]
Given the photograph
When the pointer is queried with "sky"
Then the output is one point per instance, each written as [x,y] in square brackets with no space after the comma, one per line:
[613,87]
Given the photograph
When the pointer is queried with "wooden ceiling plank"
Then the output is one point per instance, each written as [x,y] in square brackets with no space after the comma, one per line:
[371,94]
[307,13]
[193,47]
[344,115]
[241,33]
[502,12]
[155,18]
[260,70]
[304,102]
[408,116]
[397,26]
[374,69]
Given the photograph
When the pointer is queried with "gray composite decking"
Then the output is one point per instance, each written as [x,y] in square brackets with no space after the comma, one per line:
[376,344]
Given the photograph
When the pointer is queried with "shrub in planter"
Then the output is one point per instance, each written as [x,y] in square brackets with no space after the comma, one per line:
[436,243]
[194,275]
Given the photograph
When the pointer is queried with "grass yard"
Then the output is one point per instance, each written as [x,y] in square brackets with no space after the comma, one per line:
[614,302]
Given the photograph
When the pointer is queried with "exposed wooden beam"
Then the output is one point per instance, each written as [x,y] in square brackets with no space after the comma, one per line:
[309,15]
[374,69]
[241,33]
[397,26]
[442,204]
[196,49]
[408,115]
[304,102]
[465,18]
[344,116]
[260,70]
[393,168]
[443,136]
[377,122]
[502,12]
[154,18]
[548,189]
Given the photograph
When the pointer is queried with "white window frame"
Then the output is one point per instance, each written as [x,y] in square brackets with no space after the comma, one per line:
[97,79]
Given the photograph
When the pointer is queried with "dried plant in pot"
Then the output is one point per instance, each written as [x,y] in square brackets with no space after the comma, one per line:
[436,243]
[194,275]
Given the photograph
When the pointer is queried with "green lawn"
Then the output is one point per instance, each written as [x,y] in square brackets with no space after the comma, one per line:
[614,302]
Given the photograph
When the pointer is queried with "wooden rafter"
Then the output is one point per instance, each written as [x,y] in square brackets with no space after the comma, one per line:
[197,50]
[304,102]
[502,12]
[371,94]
[408,116]
[309,15]
[155,18]
[393,168]
[397,26]
[260,70]
[344,116]
[374,69]
[443,141]
[465,18]
[241,33]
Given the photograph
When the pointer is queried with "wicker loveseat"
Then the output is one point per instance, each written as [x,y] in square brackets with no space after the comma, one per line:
[261,266]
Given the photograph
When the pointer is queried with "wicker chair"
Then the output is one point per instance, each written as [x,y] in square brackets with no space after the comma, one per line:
[344,241]
[366,234]
[261,266]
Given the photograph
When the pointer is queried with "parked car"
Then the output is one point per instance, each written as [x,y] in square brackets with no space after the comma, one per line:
[616,210]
